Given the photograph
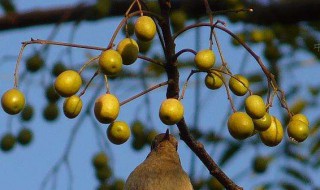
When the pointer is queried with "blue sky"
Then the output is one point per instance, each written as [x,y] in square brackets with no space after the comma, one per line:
[25,168]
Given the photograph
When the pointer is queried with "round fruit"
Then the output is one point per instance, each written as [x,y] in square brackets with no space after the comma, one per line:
[214,184]
[51,94]
[255,106]
[137,128]
[103,186]
[7,142]
[261,163]
[100,160]
[118,185]
[72,106]
[274,134]
[138,143]
[68,83]
[128,49]
[263,123]
[257,35]
[239,85]
[25,136]
[103,173]
[51,112]
[34,63]
[145,28]
[171,111]
[106,108]
[13,101]
[58,68]
[110,62]
[151,135]
[205,59]
[240,125]
[301,117]
[27,113]
[118,132]
[144,46]
[178,19]
[297,130]
[213,80]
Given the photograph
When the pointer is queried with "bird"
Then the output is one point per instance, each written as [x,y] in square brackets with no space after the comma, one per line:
[161,170]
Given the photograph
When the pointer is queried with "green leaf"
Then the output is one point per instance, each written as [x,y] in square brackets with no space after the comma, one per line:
[297,156]
[7,6]
[295,173]
[315,147]
[314,90]
[232,149]
[255,78]
[288,186]
[261,92]
[315,127]
[298,106]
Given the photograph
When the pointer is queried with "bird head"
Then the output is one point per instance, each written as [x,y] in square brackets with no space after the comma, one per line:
[164,139]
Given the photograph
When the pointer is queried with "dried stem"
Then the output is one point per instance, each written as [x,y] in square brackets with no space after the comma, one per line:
[184,88]
[88,63]
[144,92]
[87,85]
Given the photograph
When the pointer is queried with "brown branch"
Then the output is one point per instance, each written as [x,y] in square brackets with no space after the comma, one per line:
[173,92]
[286,12]
[203,155]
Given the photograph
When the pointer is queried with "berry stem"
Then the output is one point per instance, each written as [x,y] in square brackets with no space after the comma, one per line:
[144,92]
[87,85]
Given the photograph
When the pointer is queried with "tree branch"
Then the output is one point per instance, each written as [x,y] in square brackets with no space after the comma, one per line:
[286,12]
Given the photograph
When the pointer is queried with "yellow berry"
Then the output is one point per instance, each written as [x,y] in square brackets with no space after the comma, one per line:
[240,125]
[128,49]
[213,80]
[171,111]
[263,123]
[13,101]
[239,85]
[110,62]
[255,106]
[72,106]
[297,130]
[118,132]
[300,117]
[274,134]
[68,83]
[145,28]
[106,108]
[205,59]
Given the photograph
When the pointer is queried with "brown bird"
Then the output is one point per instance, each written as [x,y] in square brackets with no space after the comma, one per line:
[161,170]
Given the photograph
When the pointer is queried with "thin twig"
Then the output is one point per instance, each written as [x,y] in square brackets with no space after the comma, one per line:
[89,82]
[88,63]
[184,88]
[144,92]
[184,51]
[49,42]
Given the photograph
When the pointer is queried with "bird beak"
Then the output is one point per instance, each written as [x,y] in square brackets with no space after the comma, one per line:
[166,136]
